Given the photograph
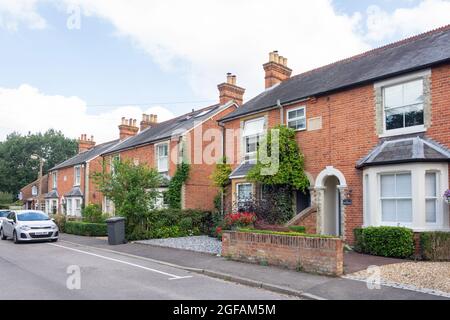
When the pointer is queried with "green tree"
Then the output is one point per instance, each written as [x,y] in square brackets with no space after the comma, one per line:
[132,188]
[17,169]
[221,178]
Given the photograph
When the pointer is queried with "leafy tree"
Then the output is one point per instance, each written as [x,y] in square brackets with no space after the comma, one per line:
[17,169]
[132,188]
[221,178]
[6,198]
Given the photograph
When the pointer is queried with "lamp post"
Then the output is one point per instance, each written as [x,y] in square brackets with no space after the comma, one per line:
[41,166]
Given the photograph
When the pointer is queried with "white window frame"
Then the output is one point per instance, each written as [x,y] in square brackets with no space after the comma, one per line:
[297,118]
[69,206]
[159,157]
[421,75]
[77,177]
[372,215]
[34,190]
[396,198]
[76,208]
[436,198]
[111,163]
[252,156]
[238,186]
[54,203]
[55,180]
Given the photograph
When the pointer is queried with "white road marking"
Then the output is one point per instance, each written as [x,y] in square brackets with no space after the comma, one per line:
[172,276]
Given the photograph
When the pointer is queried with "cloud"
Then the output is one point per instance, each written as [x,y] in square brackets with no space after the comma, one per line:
[16,12]
[404,22]
[26,109]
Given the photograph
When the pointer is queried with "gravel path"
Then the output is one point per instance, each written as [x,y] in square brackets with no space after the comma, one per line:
[424,275]
[198,243]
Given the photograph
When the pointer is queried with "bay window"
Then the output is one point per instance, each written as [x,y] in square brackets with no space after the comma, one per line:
[396,198]
[431,197]
[244,193]
[252,133]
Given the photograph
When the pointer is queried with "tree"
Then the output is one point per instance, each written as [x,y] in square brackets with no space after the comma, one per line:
[221,178]
[17,169]
[132,188]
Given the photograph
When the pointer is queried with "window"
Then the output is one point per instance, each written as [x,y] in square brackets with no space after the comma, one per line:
[162,155]
[34,191]
[396,198]
[77,175]
[244,194]
[296,118]
[54,180]
[403,105]
[253,130]
[431,197]
[77,209]
[54,207]
[114,159]
[69,207]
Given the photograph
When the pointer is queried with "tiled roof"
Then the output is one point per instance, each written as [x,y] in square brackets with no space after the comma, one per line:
[167,129]
[242,170]
[412,148]
[74,192]
[408,55]
[52,195]
[87,155]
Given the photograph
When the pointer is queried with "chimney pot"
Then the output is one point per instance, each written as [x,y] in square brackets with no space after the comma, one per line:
[276,70]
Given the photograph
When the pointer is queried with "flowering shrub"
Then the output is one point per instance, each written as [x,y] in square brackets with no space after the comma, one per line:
[238,220]
[447,194]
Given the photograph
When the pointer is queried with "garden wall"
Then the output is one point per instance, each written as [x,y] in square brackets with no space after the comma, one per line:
[309,254]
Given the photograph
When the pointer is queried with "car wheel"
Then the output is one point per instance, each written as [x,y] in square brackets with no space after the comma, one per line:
[15,239]
[2,235]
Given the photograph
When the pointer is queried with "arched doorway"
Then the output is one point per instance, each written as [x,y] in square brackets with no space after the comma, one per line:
[329,186]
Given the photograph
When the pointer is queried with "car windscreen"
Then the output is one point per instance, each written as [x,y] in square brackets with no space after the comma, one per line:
[32,216]
[4,214]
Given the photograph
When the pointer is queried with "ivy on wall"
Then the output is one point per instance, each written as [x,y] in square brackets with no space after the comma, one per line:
[176,184]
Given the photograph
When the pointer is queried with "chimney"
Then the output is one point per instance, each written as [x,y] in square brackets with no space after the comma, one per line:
[148,120]
[276,69]
[128,128]
[230,91]
[84,144]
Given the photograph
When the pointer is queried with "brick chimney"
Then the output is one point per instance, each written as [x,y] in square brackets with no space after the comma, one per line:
[128,128]
[148,120]
[276,69]
[84,144]
[230,91]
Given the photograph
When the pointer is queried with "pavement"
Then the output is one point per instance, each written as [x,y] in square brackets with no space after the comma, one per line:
[68,271]
[277,280]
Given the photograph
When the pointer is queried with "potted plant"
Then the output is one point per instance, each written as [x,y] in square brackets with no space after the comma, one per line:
[447,196]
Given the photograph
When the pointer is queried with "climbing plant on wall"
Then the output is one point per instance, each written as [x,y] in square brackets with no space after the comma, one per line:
[176,184]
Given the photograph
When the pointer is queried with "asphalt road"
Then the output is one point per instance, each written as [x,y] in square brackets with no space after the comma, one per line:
[50,271]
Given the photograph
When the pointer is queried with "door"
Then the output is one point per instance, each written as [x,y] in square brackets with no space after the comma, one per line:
[9,224]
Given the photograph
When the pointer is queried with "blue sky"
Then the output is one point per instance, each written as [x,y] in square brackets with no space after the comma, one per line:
[120,60]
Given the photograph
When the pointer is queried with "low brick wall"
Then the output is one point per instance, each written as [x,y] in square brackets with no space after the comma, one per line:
[316,255]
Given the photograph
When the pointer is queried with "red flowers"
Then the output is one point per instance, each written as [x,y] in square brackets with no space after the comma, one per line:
[240,219]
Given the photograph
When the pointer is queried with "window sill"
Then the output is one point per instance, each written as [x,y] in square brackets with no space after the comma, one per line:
[403,131]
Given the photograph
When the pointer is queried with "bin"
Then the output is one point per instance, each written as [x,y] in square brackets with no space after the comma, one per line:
[116,230]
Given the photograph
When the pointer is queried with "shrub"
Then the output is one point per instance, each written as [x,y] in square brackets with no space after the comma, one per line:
[435,246]
[241,219]
[386,241]
[359,240]
[60,221]
[86,229]
[93,213]
[298,229]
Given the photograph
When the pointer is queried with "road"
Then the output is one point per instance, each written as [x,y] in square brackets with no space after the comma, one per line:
[50,271]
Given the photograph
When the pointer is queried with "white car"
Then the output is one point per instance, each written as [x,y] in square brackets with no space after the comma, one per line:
[29,225]
[3,215]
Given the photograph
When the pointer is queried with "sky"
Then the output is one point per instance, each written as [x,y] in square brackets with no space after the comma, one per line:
[80,65]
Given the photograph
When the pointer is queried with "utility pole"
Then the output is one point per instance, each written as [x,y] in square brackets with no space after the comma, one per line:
[41,168]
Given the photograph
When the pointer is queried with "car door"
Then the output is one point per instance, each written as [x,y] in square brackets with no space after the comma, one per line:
[9,224]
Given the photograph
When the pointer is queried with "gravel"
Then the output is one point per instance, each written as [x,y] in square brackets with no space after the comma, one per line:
[423,275]
[203,244]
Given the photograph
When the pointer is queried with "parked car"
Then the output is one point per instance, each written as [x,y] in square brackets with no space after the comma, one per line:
[29,225]
[3,215]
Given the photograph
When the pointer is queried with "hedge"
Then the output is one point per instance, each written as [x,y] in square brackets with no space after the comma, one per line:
[395,242]
[299,229]
[280,233]
[435,246]
[86,229]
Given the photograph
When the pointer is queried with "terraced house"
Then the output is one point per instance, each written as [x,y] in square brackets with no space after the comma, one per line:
[69,183]
[374,130]
[188,138]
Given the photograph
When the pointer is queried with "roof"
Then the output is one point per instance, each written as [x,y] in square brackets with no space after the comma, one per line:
[52,195]
[74,192]
[242,170]
[408,55]
[167,129]
[86,156]
[403,149]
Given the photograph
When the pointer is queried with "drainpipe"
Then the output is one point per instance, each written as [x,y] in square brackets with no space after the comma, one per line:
[223,156]
[281,112]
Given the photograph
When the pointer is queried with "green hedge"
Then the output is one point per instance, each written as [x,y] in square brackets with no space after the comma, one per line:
[299,229]
[435,246]
[280,233]
[86,229]
[395,242]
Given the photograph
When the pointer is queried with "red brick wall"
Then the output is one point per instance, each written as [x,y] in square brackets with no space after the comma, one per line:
[349,132]
[65,182]
[317,255]
[95,196]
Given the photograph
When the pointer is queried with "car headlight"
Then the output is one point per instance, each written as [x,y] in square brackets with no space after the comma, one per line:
[54,227]
[25,228]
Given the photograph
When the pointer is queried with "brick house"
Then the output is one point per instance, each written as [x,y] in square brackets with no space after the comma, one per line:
[374,130]
[32,197]
[69,184]
[195,138]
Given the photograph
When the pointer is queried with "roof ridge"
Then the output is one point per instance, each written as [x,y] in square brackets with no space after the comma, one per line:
[378,49]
